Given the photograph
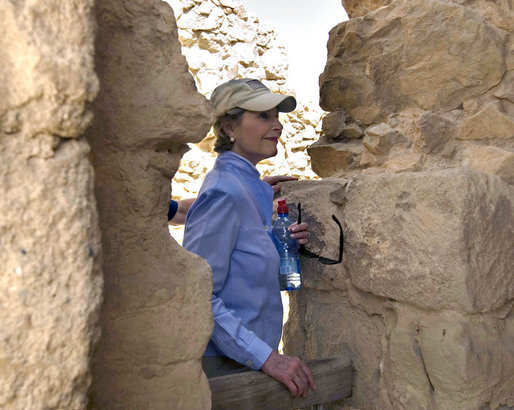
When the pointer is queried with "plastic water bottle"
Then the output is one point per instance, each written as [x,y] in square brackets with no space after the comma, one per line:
[289,274]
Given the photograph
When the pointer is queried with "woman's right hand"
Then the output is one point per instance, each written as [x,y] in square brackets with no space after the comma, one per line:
[291,372]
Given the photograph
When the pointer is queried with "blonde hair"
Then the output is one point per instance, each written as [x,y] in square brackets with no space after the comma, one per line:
[223,142]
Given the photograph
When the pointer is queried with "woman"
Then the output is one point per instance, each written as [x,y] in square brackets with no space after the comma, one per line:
[229,225]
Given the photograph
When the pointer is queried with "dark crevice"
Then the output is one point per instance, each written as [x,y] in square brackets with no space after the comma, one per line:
[418,351]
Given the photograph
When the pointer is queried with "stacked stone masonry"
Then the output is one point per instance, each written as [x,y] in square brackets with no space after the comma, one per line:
[50,259]
[417,156]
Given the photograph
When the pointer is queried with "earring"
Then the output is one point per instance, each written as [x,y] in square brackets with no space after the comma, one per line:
[232,139]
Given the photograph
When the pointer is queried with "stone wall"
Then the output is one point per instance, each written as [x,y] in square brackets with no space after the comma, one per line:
[50,280]
[156,319]
[417,155]
[417,160]
[220,41]
[393,107]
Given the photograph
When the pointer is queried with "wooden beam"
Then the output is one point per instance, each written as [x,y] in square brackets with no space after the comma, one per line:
[256,390]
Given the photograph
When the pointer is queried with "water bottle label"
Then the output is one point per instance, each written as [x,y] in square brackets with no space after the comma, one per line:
[289,265]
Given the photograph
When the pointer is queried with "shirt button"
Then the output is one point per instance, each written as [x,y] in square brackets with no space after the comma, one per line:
[249,362]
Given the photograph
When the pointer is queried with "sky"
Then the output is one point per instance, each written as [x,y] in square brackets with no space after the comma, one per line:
[303,27]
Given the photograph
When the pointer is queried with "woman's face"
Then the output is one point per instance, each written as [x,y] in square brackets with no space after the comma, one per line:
[256,136]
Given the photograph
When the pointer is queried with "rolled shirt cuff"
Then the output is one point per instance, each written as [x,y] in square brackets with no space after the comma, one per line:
[258,353]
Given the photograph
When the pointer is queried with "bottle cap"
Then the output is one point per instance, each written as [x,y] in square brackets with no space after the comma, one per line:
[282,207]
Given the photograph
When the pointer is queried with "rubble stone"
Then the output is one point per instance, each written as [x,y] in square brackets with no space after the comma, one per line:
[495,120]
[333,124]
[379,139]
[490,159]
[330,159]
[436,131]
[352,131]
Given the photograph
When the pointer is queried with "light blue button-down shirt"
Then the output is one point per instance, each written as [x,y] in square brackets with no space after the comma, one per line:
[229,225]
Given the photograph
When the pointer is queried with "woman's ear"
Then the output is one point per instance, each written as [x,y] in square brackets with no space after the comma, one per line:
[228,127]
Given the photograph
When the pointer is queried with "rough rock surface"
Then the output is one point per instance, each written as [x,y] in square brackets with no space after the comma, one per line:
[422,302]
[423,187]
[50,285]
[419,142]
[439,240]
[344,334]
[394,73]
[156,318]
[46,80]
[358,8]
[447,360]
[220,41]
[378,72]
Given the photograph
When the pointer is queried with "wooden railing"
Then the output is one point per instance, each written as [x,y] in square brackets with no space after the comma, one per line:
[256,390]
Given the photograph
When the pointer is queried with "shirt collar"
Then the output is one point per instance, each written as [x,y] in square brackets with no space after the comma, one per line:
[261,192]
[230,157]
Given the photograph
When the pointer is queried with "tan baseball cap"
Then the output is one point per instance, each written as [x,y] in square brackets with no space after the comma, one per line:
[249,94]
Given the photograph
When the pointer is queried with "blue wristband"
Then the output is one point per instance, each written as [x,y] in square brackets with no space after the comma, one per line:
[172,209]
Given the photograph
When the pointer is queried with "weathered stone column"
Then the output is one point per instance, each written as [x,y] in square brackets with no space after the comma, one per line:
[156,318]
[419,148]
[50,280]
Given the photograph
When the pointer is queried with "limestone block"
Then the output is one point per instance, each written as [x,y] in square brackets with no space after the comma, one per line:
[45,83]
[193,19]
[205,8]
[352,131]
[498,13]
[358,8]
[378,64]
[440,240]
[51,283]
[230,3]
[248,53]
[408,161]
[206,41]
[494,120]
[329,325]
[156,319]
[329,159]
[333,124]
[368,160]
[403,373]
[243,32]
[436,131]
[239,44]
[490,159]
[447,360]
[505,90]
[379,139]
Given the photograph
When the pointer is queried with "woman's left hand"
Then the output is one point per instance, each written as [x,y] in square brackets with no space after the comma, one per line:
[299,232]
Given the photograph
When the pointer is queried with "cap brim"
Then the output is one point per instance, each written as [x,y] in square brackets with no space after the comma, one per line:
[267,101]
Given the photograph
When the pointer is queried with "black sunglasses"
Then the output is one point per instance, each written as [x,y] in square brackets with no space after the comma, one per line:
[308,254]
